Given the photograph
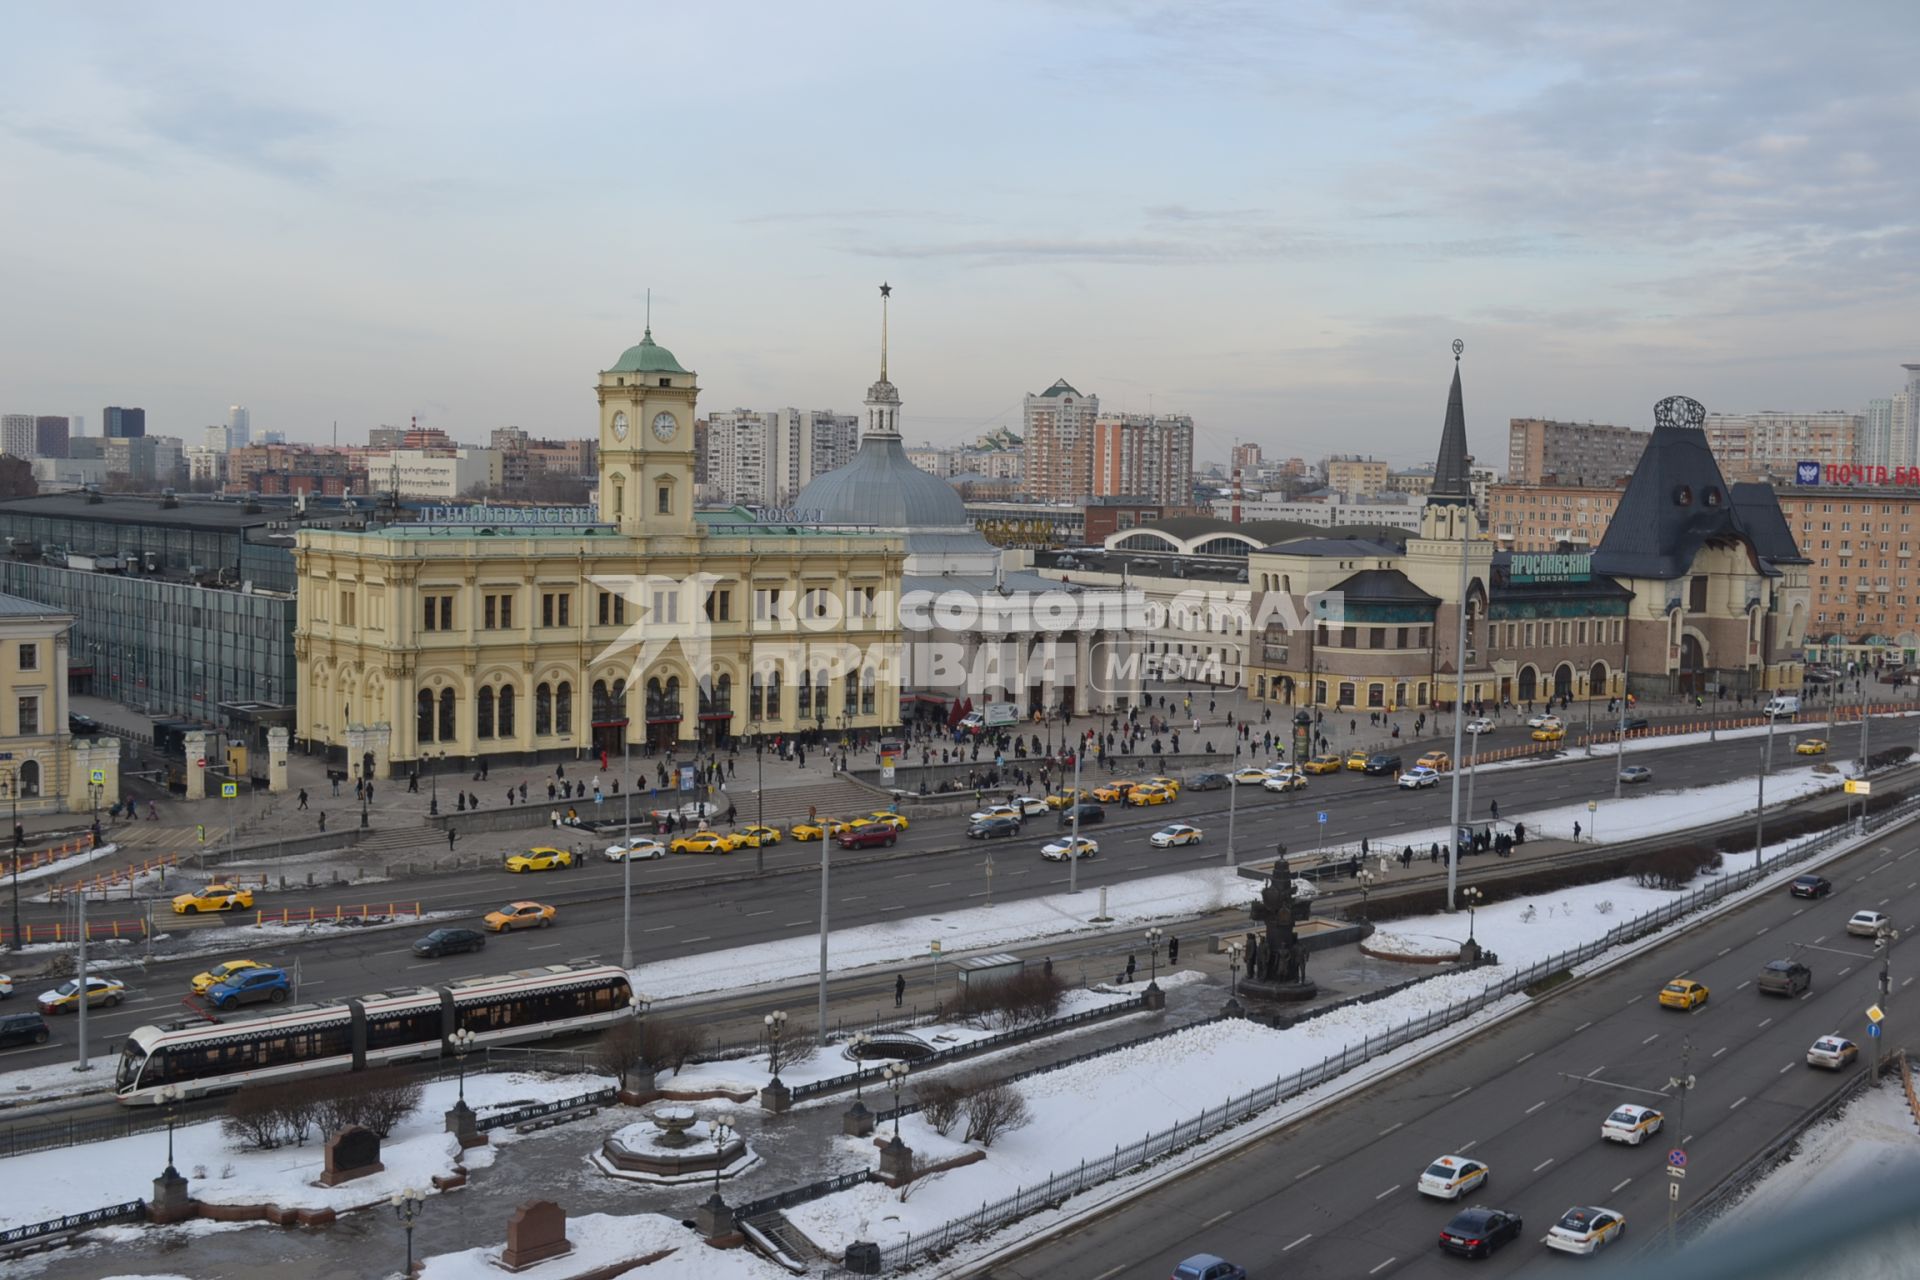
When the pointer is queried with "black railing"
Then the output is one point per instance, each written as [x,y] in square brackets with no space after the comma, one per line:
[72,1222]
[541,1110]
[800,1195]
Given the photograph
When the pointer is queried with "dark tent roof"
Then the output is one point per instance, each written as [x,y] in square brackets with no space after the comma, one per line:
[1452,482]
[1335,547]
[1389,585]
[1677,502]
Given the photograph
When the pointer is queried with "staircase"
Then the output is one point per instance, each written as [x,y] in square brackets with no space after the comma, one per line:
[795,1249]
[785,806]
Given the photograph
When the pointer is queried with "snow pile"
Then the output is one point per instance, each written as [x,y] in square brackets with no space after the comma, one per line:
[1871,1142]
[601,1241]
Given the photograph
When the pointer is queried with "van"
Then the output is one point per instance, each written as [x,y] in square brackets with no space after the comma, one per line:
[1785,704]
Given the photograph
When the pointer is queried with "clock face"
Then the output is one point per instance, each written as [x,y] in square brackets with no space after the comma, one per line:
[620,426]
[664,425]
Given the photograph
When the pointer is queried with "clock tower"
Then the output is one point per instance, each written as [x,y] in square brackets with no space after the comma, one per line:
[646,442]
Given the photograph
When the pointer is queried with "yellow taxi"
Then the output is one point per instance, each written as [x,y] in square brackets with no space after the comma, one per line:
[889,818]
[1069,795]
[221,972]
[521,915]
[1812,747]
[540,858]
[817,829]
[1149,793]
[1321,764]
[1357,760]
[1683,993]
[1549,733]
[757,837]
[1171,784]
[704,842]
[215,897]
[1111,792]
[65,998]
[1438,761]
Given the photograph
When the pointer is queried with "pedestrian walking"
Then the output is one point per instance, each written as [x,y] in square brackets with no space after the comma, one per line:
[413,783]
[1435,855]
[449,839]
[899,989]
[323,819]
[1130,967]
[303,798]
[336,783]
[1576,833]
[553,793]
[509,797]
[1173,944]
[523,793]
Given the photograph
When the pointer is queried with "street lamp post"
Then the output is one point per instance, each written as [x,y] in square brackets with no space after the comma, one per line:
[626,860]
[858,1041]
[407,1205]
[433,803]
[1236,952]
[365,782]
[1366,879]
[1153,952]
[722,1135]
[895,1075]
[760,799]
[170,1098]
[775,1023]
[462,1042]
[1471,895]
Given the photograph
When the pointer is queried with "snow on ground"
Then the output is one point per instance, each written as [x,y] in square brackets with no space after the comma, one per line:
[602,1240]
[71,863]
[48,1184]
[750,1072]
[1029,920]
[1872,1140]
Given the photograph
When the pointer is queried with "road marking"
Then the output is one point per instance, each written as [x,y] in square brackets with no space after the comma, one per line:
[1465,1147]
[1807,996]
[1582,1027]
[1383,1266]
[751,914]
[1596,1071]
[1782,1071]
[1302,1240]
[1303,1173]
[1761,930]
[1907,983]
[1389,1191]
[1717,1052]
[1844,972]
[703,938]
[1883,902]
[1463,1092]
[797,924]
[1634,998]
[1543,1164]
[1112,1271]
[546,946]
[1735,1106]
[905,875]
[1743,986]
[1686,1141]
[856,898]
[658,928]
[1389,1129]
[1650,1039]
[1765,1023]
[1822,938]
[1522,1058]
[944,884]
[1725,950]
[981,894]
[1798,910]
[1536,1106]
[1218,1217]
[1616,1190]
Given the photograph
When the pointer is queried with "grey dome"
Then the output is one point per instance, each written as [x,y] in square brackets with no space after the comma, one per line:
[881,487]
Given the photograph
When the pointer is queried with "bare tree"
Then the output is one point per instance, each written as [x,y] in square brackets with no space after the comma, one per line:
[253,1117]
[389,1097]
[623,1050]
[993,1111]
[298,1106]
[668,1042]
[921,1174]
[941,1102]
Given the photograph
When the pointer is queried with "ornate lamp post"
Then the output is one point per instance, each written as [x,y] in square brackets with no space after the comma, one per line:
[1366,879]
[722,1135]
[170,1098]
[855,1043]
[407,1205]
[433,781]
[895,1075]
[775,1023]
[1153,952]
[1472,896]
[462,1042]
[1236,952]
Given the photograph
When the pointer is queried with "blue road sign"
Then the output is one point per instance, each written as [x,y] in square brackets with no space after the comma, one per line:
[1323,817]
[1677,1158]
[1873,1029]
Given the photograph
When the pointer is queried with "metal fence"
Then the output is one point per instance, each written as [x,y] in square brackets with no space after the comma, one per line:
[1127,1157]
[800,1195]
[72,1222]
[541,1110]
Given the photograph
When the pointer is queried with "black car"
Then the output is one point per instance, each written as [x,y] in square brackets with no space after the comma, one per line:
[994,828]
[1477,1232]
[1809,886]
[1209,782]
[82,726]
[1634,723]
[1382,763]
[23,1028]
[450,942]
[1085,812]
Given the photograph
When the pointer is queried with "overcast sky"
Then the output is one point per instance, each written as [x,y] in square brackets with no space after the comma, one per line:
[1273,216]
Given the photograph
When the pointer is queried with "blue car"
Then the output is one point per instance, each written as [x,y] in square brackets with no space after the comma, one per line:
[250,986]
[1207,1266]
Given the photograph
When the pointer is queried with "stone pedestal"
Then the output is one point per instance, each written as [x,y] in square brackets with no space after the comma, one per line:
[896,1162]
[461,1124]
[1469,954]
[278,740]
[713,1219]
[857,1122]
[1279,992]
[1233,1008]
[537,1231]
[170,1202]
[352,1153]
[1153,997]
[776,1097]
[641,1083]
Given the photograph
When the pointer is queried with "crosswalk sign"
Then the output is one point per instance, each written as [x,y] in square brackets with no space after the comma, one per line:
[229,790]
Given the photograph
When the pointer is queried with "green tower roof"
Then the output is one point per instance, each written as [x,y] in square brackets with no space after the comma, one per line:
[647,357]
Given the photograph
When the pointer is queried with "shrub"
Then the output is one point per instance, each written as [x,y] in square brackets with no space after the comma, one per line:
[993,1110]
[388,1096]
[622,1050]
[253,1117]
[668,1042]
[1027,997]
[941,1102]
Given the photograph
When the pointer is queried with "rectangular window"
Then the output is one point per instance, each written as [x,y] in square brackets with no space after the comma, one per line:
[666,606]
[446,613]
[606,608]
[29,657]
[720,605]
[347,614]
[1376,637]
[29,714]
[565,599]
[506,613]
[665,501]
[490,618]
[766,604]
[546,608]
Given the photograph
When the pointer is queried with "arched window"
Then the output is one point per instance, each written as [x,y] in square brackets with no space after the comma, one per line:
[504,718]
[29,778]
[563,707]
[773,694]
[423,716]
[483,713]
[869,681]
[543,709]
[806,694]
[723,694]
[619,707]
[756,695]
[447,733]
[600,711]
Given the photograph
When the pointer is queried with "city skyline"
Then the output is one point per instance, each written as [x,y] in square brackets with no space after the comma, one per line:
[1607,211]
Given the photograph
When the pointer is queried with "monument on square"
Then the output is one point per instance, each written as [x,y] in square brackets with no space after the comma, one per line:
[1277,957]
[352,1153]
[537,1231]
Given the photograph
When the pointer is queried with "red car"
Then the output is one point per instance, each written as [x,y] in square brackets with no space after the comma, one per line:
[865,837]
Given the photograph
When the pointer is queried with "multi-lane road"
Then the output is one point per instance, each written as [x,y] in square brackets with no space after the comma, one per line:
[691,904]
[1334,1195]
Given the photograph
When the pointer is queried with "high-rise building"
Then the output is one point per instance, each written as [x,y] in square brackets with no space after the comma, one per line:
[767,456]
[740,454]
[50,436]
[1145,456]
[1246,457]
[240,426]
[1540,451]
[1911,418]
[16,434]
[1059,434]
[1759,446]
[1357,477]
[123,424]
[1877,446]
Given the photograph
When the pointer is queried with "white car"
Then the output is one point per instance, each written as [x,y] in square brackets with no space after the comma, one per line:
[1032,806]
[1867,924]
[1178,833]
[1632,1124]
[1067,847]
[1286,782]
[1543,720]
[1479,724]
[1832,1052]
[1586,1230]
[1451,1177]
[639,848]
[995,811]
[1417,777]
[6,986]
[1255,774]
